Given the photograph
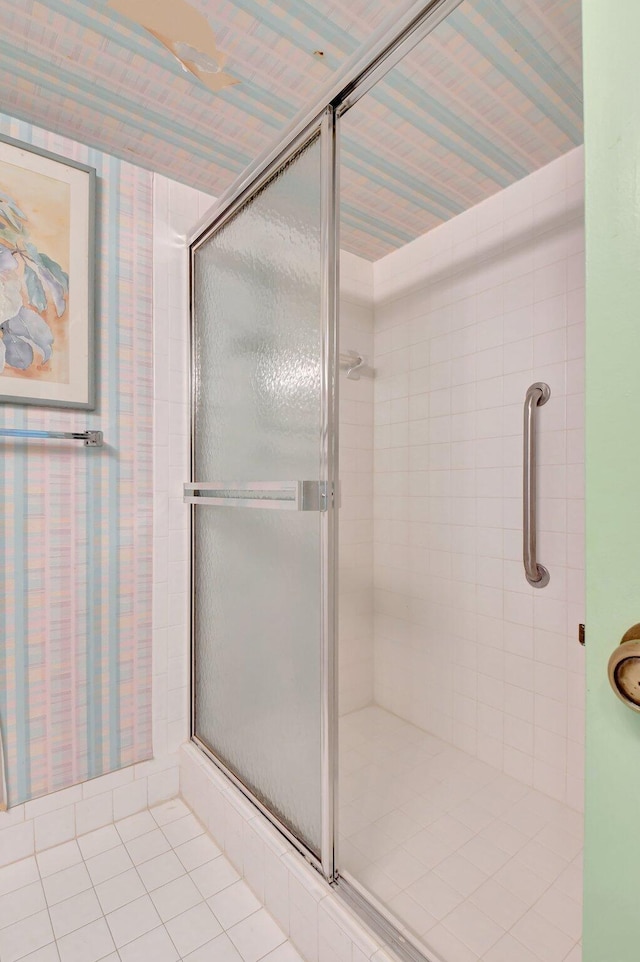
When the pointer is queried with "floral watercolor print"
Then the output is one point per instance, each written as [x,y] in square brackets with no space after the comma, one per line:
[35,215]
[47,263]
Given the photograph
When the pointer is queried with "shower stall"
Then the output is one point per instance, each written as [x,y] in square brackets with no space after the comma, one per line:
[386,492]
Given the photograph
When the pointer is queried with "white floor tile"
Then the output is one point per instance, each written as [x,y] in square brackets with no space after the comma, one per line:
[194,928]
[234,904]
[148,846]
[25,937]
[65,884]
[379,884]
[570,882]
[542,861]
[183,829]
[58,858]
[461,874]
[561,911]
[108,864]
[101,840]
[484,855]
[518,878]
[119,890]
[88,944]
[412,914]
[133,920]
[283,953]
[560,840]
[19,874]
[169,811]
[22,903]
[460,906]
[542,938]
[135,825]
[397,826]
[575,955]
[508,949]
[491,847]
[47,954]
[470,924]
[154,946]
[221,949]
[504,837]
[429,848]
[437,896]
[451,831]
[373,842]
[134,929]
[214,876]
[175,897]
[197,851]
[448,946]
[499,904]
[256,935]
[75,912]
[160,870]
[401,867]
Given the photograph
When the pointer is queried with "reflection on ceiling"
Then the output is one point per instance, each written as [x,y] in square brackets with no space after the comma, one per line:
[492,94]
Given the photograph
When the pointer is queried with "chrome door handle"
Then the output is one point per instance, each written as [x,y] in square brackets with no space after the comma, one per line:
[273,495]
[536,574]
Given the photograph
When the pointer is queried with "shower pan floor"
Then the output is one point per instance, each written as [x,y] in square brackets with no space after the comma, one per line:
[478,865]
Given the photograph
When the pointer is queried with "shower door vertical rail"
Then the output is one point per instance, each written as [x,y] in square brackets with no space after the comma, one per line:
[220,519]
[330,264]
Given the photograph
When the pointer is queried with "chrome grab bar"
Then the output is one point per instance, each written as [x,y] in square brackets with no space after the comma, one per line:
[274,495]
[536,574]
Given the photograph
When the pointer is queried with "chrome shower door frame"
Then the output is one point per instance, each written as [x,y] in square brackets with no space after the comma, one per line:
[395,38]
[324,126]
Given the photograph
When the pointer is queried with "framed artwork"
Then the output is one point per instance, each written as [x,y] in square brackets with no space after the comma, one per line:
[47,252]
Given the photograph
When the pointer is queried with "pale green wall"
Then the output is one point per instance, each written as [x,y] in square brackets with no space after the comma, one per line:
[612,147]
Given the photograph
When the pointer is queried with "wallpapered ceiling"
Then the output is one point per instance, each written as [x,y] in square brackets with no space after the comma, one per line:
[493,94]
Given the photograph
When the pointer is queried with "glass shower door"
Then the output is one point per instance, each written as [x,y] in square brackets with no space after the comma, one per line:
[262,493]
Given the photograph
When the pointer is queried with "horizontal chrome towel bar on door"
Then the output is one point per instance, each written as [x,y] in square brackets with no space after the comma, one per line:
[536,574]
[275,495]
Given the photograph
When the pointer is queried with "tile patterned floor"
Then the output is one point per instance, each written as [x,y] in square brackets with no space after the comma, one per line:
[152,888]
[478,865]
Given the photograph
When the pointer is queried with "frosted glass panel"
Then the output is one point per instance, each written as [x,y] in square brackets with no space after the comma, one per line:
[257,338]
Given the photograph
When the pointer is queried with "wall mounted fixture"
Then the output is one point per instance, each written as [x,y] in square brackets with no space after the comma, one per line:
[536,574]
[92,439]
[354,365]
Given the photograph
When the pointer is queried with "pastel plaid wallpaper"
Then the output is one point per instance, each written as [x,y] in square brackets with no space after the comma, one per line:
[76,526]
[492,95]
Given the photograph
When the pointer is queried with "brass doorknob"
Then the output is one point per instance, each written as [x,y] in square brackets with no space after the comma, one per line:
[624,668]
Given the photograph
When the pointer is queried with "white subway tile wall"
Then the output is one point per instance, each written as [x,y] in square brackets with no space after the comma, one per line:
[176,210]
[355,575]
[466,318]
